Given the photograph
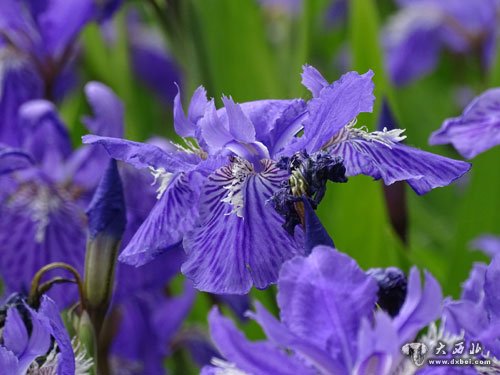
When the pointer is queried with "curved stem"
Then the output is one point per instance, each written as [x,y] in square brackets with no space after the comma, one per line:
[35,283]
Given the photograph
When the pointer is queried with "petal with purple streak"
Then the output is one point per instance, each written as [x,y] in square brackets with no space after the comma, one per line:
[239,241]
[13,159]
[392,161]
[172,216]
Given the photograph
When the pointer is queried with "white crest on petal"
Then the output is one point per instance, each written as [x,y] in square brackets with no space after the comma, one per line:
[226,368]
[240,170]
[163,178]
[350,133]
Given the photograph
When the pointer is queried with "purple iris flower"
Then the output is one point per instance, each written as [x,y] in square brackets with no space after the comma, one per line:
[415,36]
[327,322]
[46,199]
[476,130]
[36,341]
[216,188]
[475,317]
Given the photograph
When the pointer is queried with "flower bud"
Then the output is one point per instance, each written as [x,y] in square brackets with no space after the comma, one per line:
[107,219]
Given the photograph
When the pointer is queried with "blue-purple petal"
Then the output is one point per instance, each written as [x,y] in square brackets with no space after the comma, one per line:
[107,108]
[476,130]
[323,299]
[253,246]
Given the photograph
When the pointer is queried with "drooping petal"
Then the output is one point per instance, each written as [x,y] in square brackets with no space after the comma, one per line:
[143,155]
[476,130]
[323,299]
[173,215]
[108,111]
[66,359]
[377,155]
[421,306]
[336,106]
[234,212]
[47,228]
[13,159]
[258,358]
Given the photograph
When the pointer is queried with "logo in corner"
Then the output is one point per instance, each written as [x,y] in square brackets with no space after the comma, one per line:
[416,351]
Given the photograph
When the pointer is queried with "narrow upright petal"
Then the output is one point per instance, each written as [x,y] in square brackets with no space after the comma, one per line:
[421,306]
[187,126]
[476,130]
[313,80]
[108,111]
[488,244]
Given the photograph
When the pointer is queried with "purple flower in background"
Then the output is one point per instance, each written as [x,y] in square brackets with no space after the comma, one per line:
[488,244]
[216,188]
[415,36]
[327,322]
[36,342]
[476,130]
[42,217]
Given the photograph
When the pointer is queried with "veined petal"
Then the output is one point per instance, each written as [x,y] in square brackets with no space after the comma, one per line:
[48,229]
[258,358]
[172,216]
[421,306]
[144,155]
[379,155]
[323,299]
[239,241]
[337,105]
[476,130]
[108,111]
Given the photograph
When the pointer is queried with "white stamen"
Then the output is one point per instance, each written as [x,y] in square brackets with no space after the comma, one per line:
[240,169]
[43,203]
[162,177]
[226,368]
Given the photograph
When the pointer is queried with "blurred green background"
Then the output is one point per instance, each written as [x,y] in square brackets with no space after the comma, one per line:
[237,48]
